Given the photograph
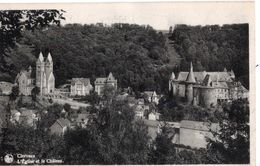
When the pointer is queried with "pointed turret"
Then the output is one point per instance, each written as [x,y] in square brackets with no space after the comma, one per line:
[30,69]
[110,76]
[191,78]
[172,76]
[40,59]
[225,69]
[232,74]
[49,58]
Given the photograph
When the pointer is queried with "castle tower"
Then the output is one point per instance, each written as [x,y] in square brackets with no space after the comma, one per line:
[173,85]
[190,81]
[40,73]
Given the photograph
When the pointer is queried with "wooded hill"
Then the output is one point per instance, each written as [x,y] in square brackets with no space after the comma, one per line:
[137,55]
[213,48]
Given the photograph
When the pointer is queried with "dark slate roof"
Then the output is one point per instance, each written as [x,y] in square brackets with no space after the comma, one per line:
[199,76]
[85,81]
[100,80]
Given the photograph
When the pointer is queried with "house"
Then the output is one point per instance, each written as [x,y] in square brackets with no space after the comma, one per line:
[80,87]
[153,115]
[25,81]
[60,126]
[5,88]
[100,83]
[151,96]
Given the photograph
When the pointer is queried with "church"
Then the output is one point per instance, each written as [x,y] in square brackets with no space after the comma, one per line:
[44,79]
[206,88]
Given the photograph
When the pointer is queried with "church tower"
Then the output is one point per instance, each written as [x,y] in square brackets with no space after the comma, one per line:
[49,74]
[40,73]
[190,81]
[44,75]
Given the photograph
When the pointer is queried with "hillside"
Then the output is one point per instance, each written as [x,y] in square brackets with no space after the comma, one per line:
[213,48]
[138,56]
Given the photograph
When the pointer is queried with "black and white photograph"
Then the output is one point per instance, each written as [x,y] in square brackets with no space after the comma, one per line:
[126,83]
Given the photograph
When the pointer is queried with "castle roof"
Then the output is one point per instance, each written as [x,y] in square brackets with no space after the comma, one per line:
[172,76]
[200,76]
[191,77]
[85,81]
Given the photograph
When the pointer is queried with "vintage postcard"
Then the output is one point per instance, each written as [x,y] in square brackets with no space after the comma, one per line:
[136,83]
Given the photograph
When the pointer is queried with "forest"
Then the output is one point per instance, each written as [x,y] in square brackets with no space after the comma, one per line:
[136,55]
[213,48]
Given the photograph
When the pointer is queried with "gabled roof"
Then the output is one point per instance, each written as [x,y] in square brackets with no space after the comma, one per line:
[149,93]
[62,122]
[85,81]
[100,80]
[103,80]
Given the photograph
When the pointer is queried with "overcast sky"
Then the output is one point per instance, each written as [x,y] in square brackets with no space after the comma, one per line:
[160,15]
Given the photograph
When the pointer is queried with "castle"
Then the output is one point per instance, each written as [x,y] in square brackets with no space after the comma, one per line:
[45,79]
[206,88]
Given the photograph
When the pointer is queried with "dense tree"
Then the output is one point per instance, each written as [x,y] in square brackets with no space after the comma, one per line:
[214,47]
[13,23]
[231,145]
[135,54]
[163,150]
[112,137]
[35,92]
[14,94]
[27,140]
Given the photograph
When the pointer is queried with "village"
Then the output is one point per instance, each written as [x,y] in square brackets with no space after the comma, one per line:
[207,89]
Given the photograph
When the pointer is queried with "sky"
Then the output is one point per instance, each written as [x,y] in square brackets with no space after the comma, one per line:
[160,15]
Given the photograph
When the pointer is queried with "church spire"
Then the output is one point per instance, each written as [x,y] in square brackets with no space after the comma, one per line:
[49,58]
[191,78]
[40,59]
